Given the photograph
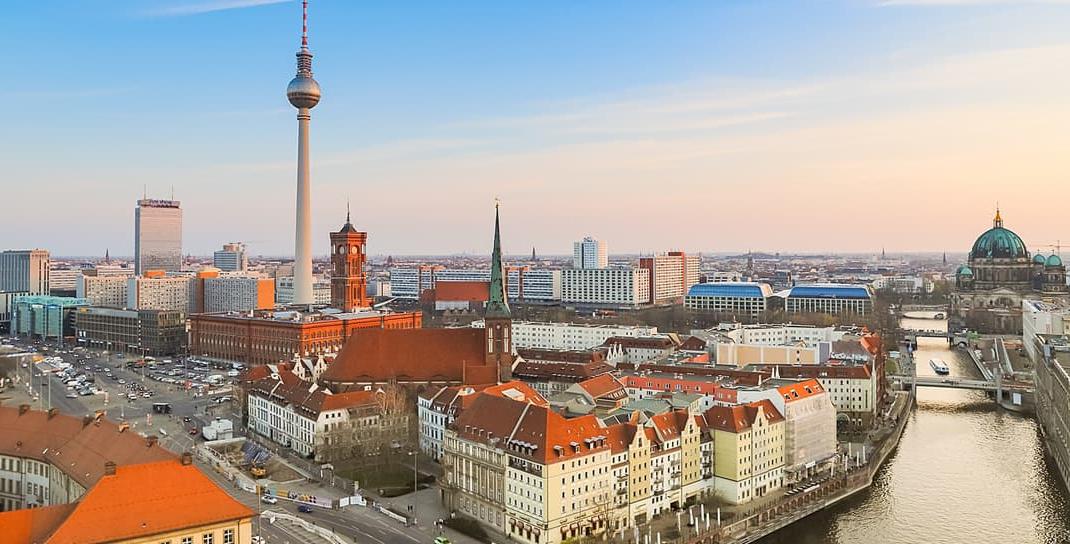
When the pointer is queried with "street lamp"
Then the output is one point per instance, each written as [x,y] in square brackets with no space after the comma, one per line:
[415,484]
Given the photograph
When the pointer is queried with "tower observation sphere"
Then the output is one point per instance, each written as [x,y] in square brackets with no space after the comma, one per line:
[303,91]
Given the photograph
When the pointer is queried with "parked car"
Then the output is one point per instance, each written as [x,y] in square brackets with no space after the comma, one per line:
[269,499]
[304,508]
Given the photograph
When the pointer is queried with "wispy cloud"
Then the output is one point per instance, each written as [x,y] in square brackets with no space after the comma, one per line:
[64,94]
[208,7]
[967,2]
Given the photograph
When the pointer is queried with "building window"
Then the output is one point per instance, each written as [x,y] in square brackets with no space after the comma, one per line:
[187,540]
[228,536]
[207,538]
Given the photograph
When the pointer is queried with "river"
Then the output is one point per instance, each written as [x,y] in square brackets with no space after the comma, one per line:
[965,472]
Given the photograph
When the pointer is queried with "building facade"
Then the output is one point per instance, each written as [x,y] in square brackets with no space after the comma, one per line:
[157,236]
[589,253]
[284,290]
[671,275]
[570,336]
[152,332]
[829,298]
[349,285]
[523,284]
[45,317]
[238,294]
[103,291]
[269,337]
[231,258]
[623,287]
[156,291]
[734,298]
[24,271]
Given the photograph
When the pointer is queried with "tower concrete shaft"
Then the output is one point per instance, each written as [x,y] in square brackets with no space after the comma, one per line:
[303,235]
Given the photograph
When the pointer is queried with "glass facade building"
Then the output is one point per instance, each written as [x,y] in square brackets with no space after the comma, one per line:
[157,236]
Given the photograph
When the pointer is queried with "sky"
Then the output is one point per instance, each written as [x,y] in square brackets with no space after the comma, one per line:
[713,125]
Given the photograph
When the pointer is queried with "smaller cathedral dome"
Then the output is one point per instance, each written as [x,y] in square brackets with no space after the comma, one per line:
[1038,259]
[1054,260]
[964,271]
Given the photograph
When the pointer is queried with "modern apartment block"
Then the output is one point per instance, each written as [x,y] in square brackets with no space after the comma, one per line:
[24,271]
[570,336]
[156,291]
[103,291]
[671,275]
[157,236]
[238,294]
[589,253]
[284,290]
[623,287]
[231,258]
[523,284]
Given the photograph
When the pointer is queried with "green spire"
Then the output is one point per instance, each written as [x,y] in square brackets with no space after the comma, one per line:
[498,304]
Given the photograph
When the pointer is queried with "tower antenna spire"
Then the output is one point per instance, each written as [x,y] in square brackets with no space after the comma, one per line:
[347,210]
[304,24]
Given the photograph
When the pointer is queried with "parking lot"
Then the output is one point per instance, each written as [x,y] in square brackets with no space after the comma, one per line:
[169,395]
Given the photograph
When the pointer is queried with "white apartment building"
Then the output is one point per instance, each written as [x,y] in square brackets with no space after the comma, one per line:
[238,294]
[436,411]
[284,290]
[63,279]
[570,336]
[671,275]
[103,291]
[1039,317]
[810,423]
[782,335]
[851,388]
[24,271]
[624,287]
[157,292]
[589,253]
[522,283]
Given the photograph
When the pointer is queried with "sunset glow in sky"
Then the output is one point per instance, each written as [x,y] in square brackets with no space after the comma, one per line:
[705,126]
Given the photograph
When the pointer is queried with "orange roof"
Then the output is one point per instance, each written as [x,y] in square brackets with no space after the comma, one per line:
[740,417]
[602,385]
[411,355]
[620,436]
[800,390]
[149,499]
[32,525]
[78,446]
[477,291]
[516,390]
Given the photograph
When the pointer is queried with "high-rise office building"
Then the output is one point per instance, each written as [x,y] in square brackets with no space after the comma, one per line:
[671,275]
[231,258]
[589,253]
[24,271]
[157,236]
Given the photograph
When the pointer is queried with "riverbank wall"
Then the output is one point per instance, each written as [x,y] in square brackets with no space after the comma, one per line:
[837,489]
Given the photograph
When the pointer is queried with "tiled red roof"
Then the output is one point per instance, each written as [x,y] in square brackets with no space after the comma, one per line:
[800,390]
[139,501]
[856,372]
[464,291]
[565,372]
[620,436]
[596,355]
[603,386]
[78,446]
[32,525]
[693,343]
[412,355]
[740,417]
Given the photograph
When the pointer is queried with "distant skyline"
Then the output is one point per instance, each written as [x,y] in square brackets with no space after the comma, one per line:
[842,126]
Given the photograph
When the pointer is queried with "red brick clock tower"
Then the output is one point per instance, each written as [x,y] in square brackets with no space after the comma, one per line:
[349,285]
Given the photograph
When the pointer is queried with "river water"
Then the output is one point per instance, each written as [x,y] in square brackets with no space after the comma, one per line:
[965,472]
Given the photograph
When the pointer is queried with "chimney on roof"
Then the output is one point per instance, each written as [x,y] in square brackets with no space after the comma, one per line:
[109,468]
[150,441]
[187,458]
[23,408]
[51,413]
[123,427]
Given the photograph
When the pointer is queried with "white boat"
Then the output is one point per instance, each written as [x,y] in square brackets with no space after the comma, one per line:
[939,367]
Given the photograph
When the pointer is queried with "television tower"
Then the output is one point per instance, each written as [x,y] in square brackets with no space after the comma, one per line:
[303,93]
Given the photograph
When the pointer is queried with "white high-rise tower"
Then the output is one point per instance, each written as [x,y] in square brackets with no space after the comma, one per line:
[304,93]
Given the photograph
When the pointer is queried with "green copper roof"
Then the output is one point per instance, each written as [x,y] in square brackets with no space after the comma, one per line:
[1054,260]
[497,305]
[999,243]
[1038,259]
[964,271]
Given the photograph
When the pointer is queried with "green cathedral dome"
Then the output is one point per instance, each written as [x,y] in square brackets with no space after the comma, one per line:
[999,243]
[1054,260]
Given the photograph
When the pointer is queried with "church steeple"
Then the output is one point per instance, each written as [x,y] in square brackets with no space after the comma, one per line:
[498,302]
[997,222]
